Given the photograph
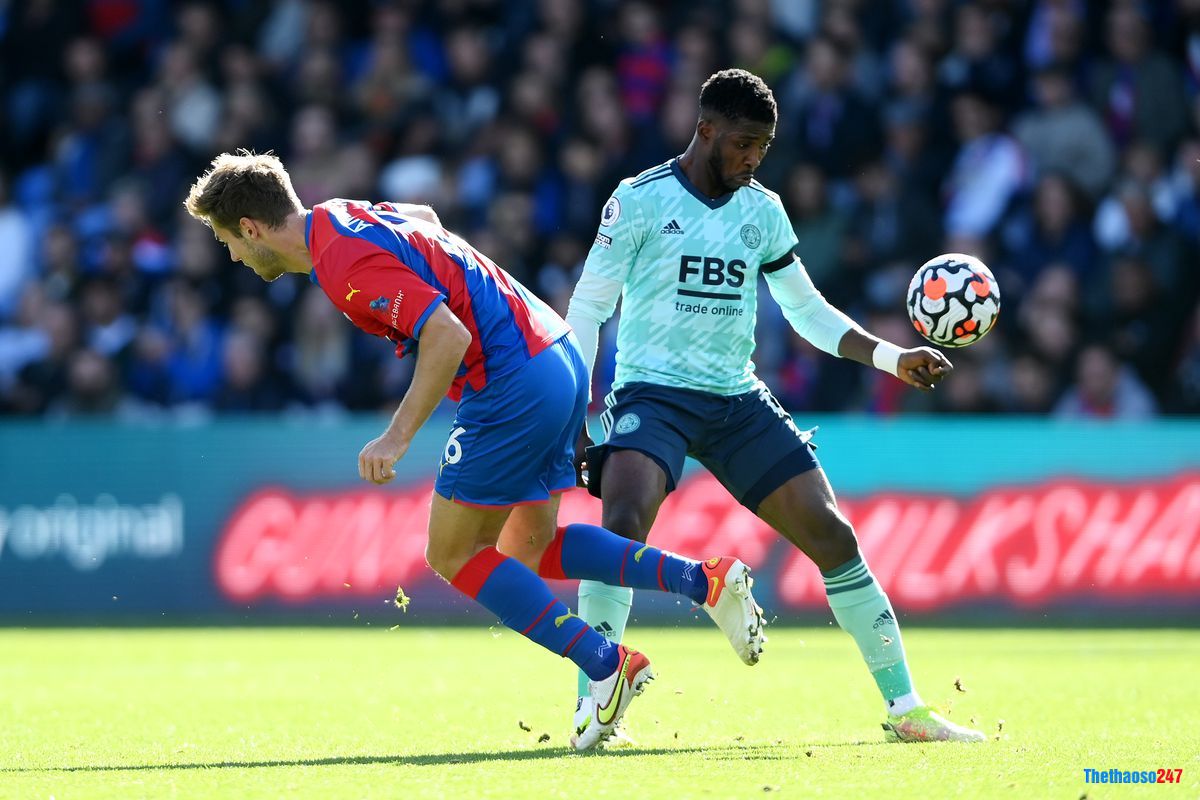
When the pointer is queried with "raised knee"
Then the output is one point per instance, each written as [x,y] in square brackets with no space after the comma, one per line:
[834,541]
[840,530]
[444,562]
[436,563]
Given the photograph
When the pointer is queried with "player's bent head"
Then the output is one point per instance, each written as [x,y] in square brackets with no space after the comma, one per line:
[243,184]
[738,96]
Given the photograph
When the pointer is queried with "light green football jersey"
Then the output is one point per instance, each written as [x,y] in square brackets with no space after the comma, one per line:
[690,268]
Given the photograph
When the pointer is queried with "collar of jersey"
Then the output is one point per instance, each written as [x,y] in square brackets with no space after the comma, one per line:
[711,202]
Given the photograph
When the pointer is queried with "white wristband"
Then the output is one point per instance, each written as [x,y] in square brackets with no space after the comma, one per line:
[887,358]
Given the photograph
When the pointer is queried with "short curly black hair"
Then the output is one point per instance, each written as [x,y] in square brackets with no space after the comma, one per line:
[737,94]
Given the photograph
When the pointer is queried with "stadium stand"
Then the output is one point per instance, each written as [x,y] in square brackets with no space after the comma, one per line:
[1059,140]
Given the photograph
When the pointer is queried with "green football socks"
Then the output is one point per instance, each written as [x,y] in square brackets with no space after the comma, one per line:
[863,611]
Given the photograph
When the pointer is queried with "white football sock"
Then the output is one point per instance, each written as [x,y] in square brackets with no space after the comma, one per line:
[905,703]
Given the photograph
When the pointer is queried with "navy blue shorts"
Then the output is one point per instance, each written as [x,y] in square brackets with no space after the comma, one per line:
[747,441]
[513,442]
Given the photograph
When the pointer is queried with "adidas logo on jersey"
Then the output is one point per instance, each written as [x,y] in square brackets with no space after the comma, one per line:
[672,227]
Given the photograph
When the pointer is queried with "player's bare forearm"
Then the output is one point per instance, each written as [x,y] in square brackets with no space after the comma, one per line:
[444,341]
[920,367]
[858,346]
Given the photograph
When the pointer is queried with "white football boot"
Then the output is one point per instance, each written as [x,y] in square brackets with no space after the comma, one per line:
[611,697]
[731,605]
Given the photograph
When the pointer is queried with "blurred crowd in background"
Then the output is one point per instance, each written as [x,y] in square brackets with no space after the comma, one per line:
[1059,140]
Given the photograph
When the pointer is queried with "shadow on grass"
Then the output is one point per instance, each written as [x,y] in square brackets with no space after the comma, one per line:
[722,753]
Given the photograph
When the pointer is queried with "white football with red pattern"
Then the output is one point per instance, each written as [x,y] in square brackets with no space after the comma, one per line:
[953,300]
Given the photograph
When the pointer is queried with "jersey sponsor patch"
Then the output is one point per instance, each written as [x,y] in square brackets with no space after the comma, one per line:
[396,309]
[379,303]
[611,212]
[603,241]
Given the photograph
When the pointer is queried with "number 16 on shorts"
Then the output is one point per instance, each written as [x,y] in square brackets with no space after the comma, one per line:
[453,452]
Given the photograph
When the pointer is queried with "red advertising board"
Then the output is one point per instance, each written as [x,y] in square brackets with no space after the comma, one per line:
[1023,546]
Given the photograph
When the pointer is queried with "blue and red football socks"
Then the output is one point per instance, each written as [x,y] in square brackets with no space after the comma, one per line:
[523,602]
[592,553]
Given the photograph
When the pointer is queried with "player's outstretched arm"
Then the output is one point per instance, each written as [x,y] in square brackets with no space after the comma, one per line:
[444,341]
[811,315]
[922,367]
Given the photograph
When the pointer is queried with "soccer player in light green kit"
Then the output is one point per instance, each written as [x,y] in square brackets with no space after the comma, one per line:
[683,244]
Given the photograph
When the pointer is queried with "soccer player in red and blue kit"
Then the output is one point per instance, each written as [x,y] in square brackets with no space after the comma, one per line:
[516,370]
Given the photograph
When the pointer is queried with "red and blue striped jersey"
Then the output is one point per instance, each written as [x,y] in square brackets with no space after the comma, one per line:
[387,273]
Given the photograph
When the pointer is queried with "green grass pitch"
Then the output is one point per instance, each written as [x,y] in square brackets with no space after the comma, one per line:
[432,712]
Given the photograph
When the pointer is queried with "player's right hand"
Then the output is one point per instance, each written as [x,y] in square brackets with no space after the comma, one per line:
[581,467]
[377,460]
[923,367]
